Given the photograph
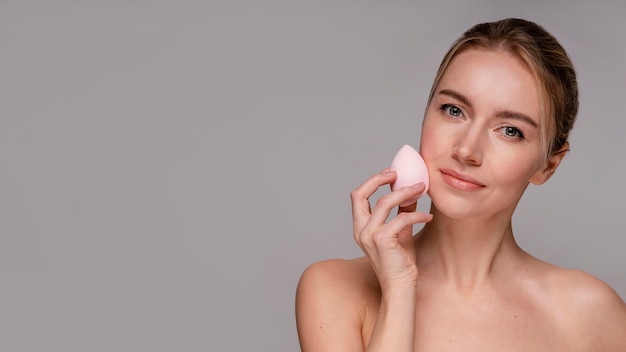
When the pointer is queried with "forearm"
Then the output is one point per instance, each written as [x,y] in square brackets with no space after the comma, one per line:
[394,329]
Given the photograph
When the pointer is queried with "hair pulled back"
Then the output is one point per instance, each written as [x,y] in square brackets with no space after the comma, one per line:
[544,56]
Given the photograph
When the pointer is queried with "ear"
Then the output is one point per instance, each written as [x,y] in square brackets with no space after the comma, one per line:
[554,160]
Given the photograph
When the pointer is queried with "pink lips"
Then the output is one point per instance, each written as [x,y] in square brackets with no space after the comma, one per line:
[460,181]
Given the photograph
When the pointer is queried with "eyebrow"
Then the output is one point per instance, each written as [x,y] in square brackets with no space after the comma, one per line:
[507,114]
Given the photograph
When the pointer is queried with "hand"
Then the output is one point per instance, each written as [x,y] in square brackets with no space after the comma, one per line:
[389,246]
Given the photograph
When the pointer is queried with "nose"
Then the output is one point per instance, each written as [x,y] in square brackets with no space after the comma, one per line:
[468,148]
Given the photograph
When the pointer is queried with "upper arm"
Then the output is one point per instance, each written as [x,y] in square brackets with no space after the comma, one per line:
[608,320]
[600,313]
[327,308]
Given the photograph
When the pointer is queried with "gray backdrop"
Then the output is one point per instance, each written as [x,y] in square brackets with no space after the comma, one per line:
[169,168]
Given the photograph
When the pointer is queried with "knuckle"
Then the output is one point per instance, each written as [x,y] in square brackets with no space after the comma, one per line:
[355,195]
[367,239]
[403,217]
[407,218]
[380,241]
[384,201]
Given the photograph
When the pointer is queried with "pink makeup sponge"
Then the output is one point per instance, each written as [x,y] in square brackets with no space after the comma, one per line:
[410,169]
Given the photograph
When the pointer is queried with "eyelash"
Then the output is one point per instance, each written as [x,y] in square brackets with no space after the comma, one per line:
[445,108]
[519,134]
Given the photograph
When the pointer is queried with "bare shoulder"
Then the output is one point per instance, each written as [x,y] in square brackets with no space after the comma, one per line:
[589,308]
[581,290]
[341,271]
[330,304]
[337,281]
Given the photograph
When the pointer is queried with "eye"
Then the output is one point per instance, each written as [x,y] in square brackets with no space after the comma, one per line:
[512,132]
[451,110]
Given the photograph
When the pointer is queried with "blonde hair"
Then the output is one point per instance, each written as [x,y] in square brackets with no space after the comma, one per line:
[545,58]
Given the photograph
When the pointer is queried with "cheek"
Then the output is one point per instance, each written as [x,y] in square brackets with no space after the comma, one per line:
[515,169]
[429,140]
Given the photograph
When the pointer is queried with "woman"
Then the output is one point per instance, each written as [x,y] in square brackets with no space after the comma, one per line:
[498,118]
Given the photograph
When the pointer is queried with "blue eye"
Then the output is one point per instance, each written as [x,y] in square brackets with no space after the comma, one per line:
[451,110]
[512,132]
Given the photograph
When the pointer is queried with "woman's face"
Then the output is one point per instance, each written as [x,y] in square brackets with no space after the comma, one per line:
[480,136]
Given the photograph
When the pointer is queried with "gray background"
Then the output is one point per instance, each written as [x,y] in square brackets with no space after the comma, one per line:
[169,168]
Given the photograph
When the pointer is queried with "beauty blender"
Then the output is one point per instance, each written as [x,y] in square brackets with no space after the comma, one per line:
[410,169]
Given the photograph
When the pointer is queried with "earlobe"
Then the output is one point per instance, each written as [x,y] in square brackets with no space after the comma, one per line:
[554,160]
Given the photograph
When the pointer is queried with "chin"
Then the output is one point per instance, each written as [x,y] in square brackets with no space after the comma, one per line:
[456,212]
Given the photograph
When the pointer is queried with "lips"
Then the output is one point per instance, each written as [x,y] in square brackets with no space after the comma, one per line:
[460,181]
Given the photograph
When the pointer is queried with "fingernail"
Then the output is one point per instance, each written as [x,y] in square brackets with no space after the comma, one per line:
[388,172]
[418,185]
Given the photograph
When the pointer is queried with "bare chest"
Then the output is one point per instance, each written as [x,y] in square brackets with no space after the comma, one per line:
[481,325]
[485,329]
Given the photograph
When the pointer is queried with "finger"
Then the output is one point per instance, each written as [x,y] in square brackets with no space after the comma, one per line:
[402,221]
[389,201]
[407,231]
[360,204]
[390,234]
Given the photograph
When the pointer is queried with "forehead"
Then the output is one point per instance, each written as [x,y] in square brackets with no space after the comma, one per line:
[493,79]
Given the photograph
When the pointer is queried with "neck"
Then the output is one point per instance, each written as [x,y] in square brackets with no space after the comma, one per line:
[467,253]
